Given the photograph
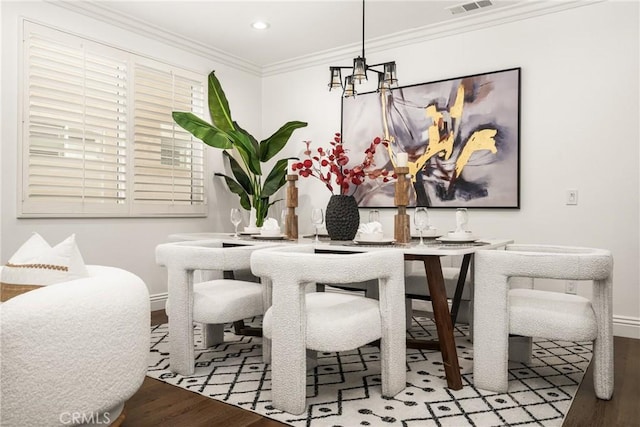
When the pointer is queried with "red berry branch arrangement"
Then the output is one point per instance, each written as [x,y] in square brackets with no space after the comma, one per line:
[331,166]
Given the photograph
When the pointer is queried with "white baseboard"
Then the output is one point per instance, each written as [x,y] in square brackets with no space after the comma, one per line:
[158,301]
[625,326]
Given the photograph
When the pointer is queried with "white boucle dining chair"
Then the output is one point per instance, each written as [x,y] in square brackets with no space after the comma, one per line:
[500,310]
[298,320]
[213,302]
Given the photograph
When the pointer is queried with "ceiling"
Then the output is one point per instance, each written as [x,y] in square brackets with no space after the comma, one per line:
[297,28]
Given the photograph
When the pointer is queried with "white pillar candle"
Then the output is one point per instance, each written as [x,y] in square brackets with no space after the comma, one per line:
[290,164]
[403,159]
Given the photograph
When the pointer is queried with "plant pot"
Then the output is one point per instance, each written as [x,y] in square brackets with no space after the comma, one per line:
[252,218]
[342,217]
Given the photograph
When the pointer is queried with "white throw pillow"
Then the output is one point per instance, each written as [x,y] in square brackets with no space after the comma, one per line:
[37,264]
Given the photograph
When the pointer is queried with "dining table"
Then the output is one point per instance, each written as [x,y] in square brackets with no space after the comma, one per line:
[429,254]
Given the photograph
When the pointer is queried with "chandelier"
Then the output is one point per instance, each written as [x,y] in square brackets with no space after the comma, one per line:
[385,71]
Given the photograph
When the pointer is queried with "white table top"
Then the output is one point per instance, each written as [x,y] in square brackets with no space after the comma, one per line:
[432,247]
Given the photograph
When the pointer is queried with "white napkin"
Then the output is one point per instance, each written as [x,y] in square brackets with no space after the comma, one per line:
[370,227]
[270,226]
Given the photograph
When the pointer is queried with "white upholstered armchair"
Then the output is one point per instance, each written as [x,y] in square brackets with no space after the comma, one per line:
[74,350]
[500,310]
[212,302]
[328,321]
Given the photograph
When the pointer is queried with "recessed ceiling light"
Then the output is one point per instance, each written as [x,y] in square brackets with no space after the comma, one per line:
[260,25]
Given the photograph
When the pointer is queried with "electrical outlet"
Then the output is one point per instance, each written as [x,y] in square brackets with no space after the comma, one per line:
[571,287]
[572,197]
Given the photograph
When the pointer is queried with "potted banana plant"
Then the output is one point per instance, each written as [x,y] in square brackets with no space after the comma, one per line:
[247,180]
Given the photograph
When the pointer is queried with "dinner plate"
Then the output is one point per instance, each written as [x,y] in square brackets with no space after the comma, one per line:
[374,242]
[248,233]
[277,237]
[465,239]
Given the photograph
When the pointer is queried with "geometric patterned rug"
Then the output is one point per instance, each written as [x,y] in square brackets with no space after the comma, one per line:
[344,389]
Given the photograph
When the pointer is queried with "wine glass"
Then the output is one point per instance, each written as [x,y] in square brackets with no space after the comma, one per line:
[421,220]
[236,219]
[462,218]
[374,215]
[317,217]
[283,219]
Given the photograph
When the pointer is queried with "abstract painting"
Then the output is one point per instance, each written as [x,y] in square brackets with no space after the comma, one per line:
[462,136]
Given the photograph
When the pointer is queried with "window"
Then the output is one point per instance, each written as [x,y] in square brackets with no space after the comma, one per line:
[168,163]
[98,138]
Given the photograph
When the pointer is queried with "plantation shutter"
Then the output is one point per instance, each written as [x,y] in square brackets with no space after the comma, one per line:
[168,162]
[98,137]
[76,126]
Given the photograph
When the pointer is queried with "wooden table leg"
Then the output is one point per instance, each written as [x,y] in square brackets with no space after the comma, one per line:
[443,321]
[462,277]
[241,329]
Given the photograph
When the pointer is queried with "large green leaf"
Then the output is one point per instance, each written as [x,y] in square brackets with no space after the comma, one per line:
[239,174]
[218,105]
[202,130]
[276,142]
[276,178]
[236,188]
[254,142]
[242,143]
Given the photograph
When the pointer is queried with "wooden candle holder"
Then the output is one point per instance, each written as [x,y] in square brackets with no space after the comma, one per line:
[291,219]
[402,229]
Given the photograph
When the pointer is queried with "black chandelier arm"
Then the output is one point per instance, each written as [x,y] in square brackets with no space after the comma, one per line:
[368,67]
[382,64]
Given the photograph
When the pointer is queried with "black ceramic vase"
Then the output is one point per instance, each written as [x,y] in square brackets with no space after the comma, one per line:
[342,217]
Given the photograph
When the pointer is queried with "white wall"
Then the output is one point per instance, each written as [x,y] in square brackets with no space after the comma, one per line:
[122,242]
[1,127]
[579,129]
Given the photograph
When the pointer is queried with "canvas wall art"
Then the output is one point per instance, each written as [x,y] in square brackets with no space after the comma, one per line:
[461,134]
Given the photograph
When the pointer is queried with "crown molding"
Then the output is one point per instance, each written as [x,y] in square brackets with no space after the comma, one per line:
[460,25]
[94,9]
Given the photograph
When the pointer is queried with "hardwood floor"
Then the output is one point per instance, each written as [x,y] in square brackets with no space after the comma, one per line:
[160,404]
[624,408]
